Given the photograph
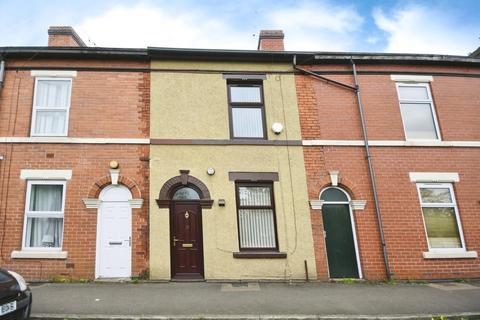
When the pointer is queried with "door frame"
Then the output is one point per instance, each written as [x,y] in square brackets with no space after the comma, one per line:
[200,232]
[352,223]
[98,250]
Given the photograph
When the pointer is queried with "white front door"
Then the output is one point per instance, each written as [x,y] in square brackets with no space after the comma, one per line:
[114,240]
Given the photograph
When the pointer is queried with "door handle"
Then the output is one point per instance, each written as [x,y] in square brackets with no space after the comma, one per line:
[175,241]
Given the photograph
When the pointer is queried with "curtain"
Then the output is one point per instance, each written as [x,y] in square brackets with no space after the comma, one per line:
[247,122]
[44,232]
[46,197]
[254,196]
[52,94]
[50,122]
[257,228]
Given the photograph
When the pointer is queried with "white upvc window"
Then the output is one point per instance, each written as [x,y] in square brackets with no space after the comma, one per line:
[51,105]
[418,111]
[44,211]
[441,218]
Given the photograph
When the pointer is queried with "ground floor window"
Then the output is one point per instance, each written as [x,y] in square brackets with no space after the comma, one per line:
[441,217]
[256,216]
[44,210]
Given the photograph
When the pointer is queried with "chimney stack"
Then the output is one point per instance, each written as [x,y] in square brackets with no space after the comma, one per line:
[271,40]
[64,36]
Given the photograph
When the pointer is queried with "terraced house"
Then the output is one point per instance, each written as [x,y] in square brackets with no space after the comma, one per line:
[391,146]
[226,167]
[74,128]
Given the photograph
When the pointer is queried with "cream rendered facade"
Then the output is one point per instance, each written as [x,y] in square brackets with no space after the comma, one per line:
[190,131]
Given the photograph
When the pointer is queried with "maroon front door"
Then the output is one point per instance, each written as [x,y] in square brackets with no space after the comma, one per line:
[186,240]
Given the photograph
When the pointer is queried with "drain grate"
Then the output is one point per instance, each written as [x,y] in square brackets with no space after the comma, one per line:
[240,286]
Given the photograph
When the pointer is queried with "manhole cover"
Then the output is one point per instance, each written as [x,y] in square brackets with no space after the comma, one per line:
[452,286]
[240,286]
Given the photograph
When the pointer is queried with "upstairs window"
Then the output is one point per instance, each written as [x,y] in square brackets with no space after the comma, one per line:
[418,112]
[246,110]
[51,104]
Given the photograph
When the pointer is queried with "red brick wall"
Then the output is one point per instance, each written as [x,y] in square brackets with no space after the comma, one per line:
[105,104]
[330,113]
[60,40]
[272,44]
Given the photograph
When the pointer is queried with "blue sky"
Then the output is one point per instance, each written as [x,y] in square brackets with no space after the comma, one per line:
[441,26]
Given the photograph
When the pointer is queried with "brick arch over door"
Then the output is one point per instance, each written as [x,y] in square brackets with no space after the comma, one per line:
[184,179]
[346,184]
[98,186]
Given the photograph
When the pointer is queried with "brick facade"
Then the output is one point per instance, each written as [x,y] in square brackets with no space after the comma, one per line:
[104,104]
[328,112]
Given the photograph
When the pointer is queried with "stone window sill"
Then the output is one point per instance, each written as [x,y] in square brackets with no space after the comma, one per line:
[450,255]
[259,255]
[39,254]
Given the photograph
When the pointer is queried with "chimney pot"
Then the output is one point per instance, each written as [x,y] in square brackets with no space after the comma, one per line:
[271,40]
[64,36]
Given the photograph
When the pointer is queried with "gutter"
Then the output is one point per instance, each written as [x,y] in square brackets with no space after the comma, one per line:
[368,156]
[161,53]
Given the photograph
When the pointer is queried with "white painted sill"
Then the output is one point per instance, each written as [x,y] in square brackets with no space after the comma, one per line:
[451,255]
[39,254]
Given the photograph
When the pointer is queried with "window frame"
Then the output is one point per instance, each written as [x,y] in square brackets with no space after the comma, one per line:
[452,204]
[268,184]
[427,101]
[43,214]
[36,108]
[254,105]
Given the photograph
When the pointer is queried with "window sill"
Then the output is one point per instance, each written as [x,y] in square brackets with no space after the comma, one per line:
[450,255]
[39,254]
[259,255]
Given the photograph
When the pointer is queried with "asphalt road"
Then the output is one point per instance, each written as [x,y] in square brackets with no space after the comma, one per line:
[263,299]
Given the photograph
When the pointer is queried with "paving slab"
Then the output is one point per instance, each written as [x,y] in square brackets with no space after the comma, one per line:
[318,300]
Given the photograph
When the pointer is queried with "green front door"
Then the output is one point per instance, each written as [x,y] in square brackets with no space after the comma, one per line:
[342,261]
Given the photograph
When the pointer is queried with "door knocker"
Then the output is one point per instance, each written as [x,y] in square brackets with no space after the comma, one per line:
[187,215]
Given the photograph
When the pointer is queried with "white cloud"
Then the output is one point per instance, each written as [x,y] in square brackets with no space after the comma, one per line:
[308,26]
[318,26]
[145,25]
[418,29]
[373,39]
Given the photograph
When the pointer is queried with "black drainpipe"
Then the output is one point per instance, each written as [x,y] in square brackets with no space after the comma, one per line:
[2,71]
[371,172]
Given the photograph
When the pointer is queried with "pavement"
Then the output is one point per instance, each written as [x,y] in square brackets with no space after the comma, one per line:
[206,300]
